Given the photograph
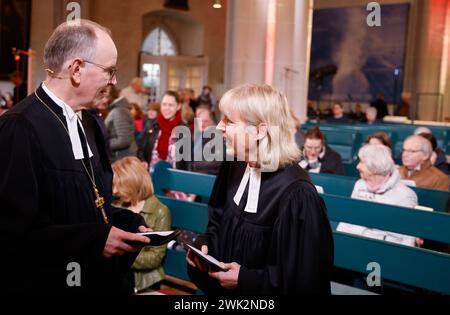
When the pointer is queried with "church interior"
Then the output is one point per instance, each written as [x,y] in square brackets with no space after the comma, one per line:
[368,90]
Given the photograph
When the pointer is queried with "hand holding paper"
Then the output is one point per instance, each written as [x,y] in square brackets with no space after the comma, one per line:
[209,263]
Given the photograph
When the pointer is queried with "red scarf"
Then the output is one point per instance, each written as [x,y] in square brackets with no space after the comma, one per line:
[166,127]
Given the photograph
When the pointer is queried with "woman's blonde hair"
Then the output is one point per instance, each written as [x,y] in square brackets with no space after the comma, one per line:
[131,179]
[263,104]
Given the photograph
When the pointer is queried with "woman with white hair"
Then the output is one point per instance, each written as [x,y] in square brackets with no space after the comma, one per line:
[380,182]
[266,220]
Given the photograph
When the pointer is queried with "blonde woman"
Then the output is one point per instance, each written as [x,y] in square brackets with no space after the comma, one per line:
[133,186]
[268,226]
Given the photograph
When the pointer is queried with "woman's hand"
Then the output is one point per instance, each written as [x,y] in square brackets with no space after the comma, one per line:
[195,262]
[228,279]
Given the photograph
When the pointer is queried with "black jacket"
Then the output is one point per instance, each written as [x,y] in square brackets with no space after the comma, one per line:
[331,162]
[48,217]
[286,248]
[147,144]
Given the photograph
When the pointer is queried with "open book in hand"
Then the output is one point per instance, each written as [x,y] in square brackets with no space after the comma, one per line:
[213,264]
[158,238]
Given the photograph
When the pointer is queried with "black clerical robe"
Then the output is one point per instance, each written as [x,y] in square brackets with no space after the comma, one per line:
[48,216]
[286,248]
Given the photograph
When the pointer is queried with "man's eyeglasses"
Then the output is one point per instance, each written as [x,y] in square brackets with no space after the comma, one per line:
[410,151]
[110,70]
[313,148]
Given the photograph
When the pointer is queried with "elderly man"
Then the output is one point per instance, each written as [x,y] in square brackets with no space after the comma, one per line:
[417,165]
[371,116]
[134,93]
[58,233]
[203,142]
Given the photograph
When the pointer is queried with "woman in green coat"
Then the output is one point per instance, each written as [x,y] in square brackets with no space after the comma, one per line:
[133,186]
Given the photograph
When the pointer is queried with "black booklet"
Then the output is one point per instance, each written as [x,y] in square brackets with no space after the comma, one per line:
[158,238]
[212,263]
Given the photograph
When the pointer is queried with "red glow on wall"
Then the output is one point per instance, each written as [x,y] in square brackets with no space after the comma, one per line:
[270,41]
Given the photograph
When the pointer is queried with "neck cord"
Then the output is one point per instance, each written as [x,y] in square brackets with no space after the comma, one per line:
[99,201]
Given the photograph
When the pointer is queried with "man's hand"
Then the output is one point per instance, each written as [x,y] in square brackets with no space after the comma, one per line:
[194,261]
[143,229]
[116,244]
[228,279]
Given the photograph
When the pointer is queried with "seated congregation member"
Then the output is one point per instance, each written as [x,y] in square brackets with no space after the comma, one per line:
[371,116]
[98,108]
[204,143]
[379,138]
[417,165]
[151,118]
[135,92]
[380,182]
[311,112]
[133,186]
[338,115]
[380,105]
[405,104]
[438,158]
[138,117]
[267,223]
[358,114]
[158,142]
[120,125]
[318,157]
[187,97]
[207,97]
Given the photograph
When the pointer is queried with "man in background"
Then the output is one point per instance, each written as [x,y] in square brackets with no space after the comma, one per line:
[135,93]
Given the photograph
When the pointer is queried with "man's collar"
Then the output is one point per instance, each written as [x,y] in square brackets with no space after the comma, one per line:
[67,110]
[426,164]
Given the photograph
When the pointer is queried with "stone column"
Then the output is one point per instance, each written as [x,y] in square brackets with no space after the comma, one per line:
[245,42]
[293,52]
[445,69]
[42,25]
[249,59]
[431,76]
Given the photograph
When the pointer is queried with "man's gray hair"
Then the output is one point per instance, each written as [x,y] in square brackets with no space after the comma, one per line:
[425,144]
[422,129]
[378,158]
[372,110]
[70,40]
